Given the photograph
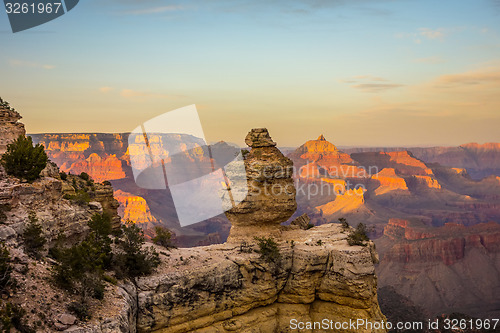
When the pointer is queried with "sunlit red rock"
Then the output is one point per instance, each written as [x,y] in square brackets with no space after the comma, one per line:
[100,169]
[480,160]
[320,158]
[351,200]
[320,149]
[427,181]
[389,181]
[403,162]
[133,208]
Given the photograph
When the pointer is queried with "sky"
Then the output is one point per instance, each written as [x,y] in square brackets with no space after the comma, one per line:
[361,72]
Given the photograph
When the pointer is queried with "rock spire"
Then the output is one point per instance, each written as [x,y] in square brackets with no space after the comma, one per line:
[271,192]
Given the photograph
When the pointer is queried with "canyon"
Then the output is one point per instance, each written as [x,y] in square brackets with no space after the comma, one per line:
[434,187]
[457,266]
[231,287]
[480,160]
[436,228]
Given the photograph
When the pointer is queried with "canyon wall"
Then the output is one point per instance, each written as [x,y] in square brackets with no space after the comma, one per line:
[453,268]
[480,160]
[310,275]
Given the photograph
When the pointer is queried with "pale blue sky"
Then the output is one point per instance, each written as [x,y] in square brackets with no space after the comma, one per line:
[361,72]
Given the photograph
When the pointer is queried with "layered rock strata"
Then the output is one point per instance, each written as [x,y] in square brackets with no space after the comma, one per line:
[310,276]
[453,268]
[10,127]
[230,288]
[271,193]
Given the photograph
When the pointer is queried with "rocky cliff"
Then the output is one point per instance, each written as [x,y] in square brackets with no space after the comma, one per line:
[54,203]
[389,181]
[480,160]
[312,275]
[319,157]
[50,199]
[230,288]
[101,155]
[457,266]
[10,127]
[133,208]
[106,156]
[403,162]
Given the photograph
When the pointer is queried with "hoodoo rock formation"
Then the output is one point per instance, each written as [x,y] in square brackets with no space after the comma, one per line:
[271,193]
[231,287]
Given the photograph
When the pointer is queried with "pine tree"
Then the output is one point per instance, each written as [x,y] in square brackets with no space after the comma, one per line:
[33,237]
[23,160]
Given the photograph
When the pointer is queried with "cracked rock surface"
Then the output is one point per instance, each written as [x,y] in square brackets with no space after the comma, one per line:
[230,288]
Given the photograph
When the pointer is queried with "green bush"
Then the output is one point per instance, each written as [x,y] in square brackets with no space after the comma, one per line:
[3,209]
[268,249]
[76,263]
[34,240]
[132,260]
[358,236]
[80,310]
[63,175]
[80,268]
[5,267]
[101,225]
[106,182]
[101,229]
[81,197]
[85,176]
[23,160]
[343,222]
[163,237]
[110,279]
[11,316]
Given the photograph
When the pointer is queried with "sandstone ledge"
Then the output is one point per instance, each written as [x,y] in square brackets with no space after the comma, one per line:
[229,288]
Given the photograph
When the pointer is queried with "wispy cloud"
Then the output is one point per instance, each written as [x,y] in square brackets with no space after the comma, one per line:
[427,34]
[432,34]
[484,76]
[369,77]
[30,64]
[430,60]
[376,87]
[129,93]
[370,84]
[105,90]
[153,10]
